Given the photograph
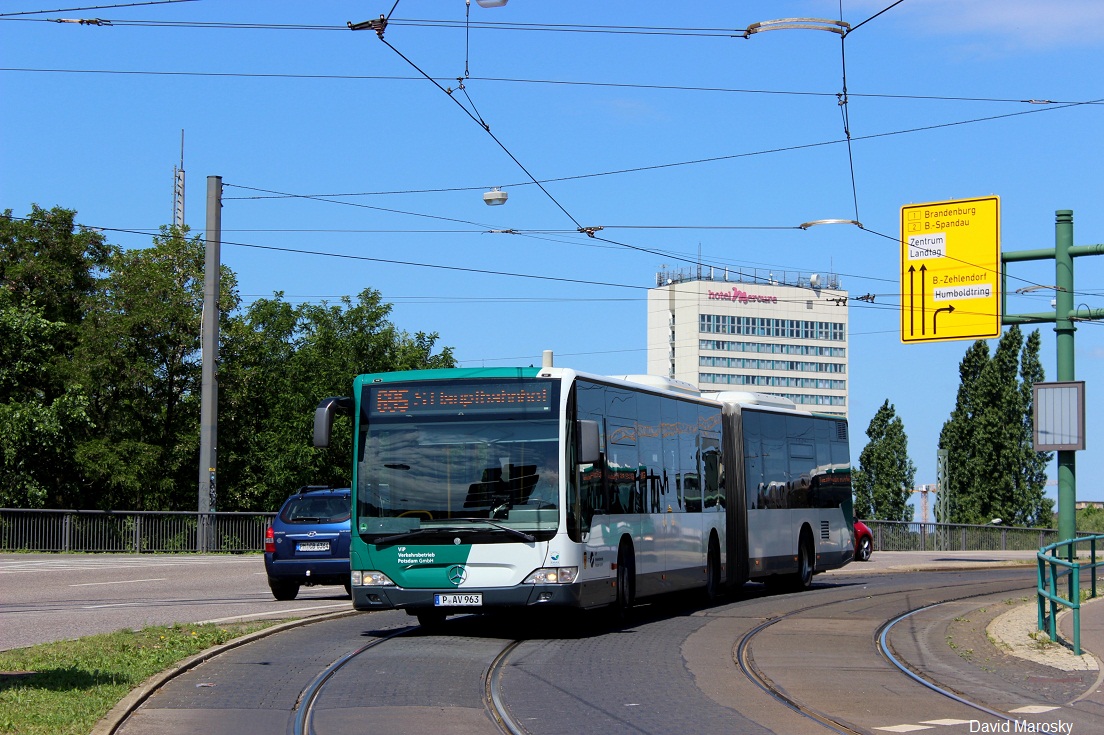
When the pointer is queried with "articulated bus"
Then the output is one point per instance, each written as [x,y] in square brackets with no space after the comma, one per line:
[477,489]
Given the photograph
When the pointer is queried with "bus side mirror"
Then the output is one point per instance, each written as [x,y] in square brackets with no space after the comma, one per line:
[589,449]
[324,417]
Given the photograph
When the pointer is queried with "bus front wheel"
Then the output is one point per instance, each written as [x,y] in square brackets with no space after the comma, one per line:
[626,580]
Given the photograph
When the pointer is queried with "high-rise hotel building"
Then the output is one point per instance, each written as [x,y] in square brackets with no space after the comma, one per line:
[783,334]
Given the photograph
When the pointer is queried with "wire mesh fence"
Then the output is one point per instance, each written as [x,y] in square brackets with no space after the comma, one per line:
[135,532]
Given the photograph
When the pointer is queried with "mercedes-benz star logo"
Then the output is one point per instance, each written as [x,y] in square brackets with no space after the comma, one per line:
[457,574]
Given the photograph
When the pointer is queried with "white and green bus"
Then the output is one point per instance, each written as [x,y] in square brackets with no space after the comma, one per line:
[477,489]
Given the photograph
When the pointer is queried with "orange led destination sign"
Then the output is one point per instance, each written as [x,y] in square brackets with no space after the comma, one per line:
[447,399]
[950,270]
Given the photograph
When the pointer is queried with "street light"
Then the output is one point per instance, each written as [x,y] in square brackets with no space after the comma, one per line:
[494,197]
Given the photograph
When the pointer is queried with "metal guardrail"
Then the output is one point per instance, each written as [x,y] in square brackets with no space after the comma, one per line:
[1058,560]
[903,536]
[134,532]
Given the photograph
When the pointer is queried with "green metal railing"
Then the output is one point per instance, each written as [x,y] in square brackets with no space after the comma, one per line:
[1063,560]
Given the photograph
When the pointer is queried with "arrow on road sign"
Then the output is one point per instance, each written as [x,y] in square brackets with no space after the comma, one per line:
[948,309]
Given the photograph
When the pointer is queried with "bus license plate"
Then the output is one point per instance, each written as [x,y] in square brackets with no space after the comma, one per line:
[457,600]
[313,546]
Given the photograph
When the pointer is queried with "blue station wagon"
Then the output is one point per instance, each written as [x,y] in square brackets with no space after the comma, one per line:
[307,543]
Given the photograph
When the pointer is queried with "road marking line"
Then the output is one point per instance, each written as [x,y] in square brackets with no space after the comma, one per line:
[1034,709]
[121,581]
[905,728]
[945,722]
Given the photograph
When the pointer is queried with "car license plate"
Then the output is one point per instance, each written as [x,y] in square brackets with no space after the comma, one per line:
[458,600]
[313,546]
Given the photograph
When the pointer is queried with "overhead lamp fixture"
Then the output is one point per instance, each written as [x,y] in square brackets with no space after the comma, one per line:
[807,225]
[491,3]
[808,24]
[494,197]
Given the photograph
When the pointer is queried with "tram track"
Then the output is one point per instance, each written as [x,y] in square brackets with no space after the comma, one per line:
[408,666]
[494,705]
[745,660]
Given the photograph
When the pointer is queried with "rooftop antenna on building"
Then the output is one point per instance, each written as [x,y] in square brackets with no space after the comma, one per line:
[178,188]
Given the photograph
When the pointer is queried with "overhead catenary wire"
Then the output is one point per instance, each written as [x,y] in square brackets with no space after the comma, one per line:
[486,128]
[558,82]
[749,154]
[619,244]
[94,7]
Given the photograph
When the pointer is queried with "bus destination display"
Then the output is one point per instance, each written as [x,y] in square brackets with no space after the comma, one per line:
[457,399]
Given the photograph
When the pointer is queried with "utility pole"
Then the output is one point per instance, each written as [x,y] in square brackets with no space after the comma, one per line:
[208,416]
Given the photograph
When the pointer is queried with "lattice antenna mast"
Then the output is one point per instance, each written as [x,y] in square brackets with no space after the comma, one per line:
[178,188]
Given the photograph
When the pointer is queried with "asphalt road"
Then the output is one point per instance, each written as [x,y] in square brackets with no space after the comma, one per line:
[673,668]
[50,597]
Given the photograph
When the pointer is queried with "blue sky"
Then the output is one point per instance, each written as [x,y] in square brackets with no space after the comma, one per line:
[646,119]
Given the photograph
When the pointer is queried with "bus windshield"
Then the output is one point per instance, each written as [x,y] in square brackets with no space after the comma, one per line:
[497,470]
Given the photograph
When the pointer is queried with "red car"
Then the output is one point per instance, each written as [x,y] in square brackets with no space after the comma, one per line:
[864,541]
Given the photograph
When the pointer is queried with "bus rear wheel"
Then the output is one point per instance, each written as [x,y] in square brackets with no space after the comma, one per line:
[802,579]
[713,571]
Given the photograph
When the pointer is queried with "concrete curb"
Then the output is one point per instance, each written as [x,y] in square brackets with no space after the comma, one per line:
[118,714]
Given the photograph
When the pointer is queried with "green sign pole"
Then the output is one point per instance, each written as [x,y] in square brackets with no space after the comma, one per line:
[1064,329]
[1064,316]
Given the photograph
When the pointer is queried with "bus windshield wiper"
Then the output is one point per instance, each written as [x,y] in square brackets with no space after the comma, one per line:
[452,529]
[512,531]
[418,532]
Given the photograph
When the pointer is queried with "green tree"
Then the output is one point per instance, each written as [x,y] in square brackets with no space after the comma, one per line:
[991,470]
[885,476]
[100,373]
[1089,520]
[140,355]
[36,426]
[48,269]
[1031,505]
[278,362]
[957,438]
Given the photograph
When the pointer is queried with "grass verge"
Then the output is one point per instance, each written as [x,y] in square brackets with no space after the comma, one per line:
[66,687]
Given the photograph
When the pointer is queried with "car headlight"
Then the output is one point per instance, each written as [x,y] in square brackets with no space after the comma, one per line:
[553,575]
[371,579]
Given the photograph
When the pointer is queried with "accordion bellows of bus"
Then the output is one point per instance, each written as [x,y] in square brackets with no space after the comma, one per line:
[483,488]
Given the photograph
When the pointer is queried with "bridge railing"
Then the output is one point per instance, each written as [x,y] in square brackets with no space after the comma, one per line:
[181,531]
[133,531]
[905,536]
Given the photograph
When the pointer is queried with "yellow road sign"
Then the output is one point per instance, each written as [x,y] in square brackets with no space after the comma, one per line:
[950,270]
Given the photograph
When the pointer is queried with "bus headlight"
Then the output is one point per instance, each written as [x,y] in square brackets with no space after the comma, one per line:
[553,575]
[371,579]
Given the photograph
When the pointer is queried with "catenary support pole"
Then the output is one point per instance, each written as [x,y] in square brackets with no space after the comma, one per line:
[208,417]
[1064,328]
